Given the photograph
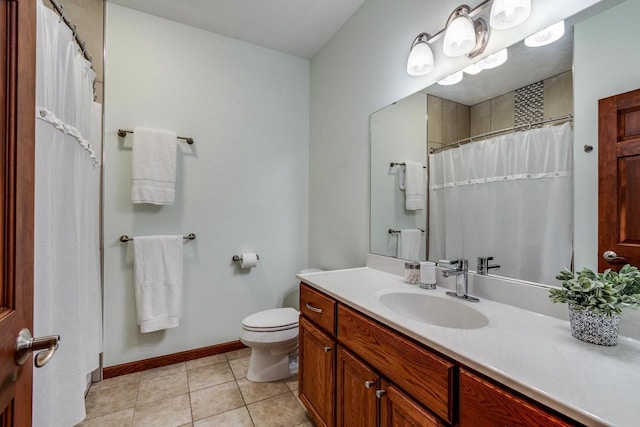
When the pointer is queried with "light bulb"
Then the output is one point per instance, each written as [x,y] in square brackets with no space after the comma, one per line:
[493,61]
[509,13]
[460,36]
[546,36]
[420,60]
[473,69]
[452,79]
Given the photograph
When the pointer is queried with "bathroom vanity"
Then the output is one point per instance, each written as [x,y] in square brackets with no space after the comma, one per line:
[369,356]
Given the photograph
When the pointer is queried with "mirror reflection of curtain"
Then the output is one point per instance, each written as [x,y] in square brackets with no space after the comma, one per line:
[67,199]
[510,197]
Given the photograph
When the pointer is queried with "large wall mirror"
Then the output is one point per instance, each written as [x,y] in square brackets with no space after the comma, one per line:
[497,151]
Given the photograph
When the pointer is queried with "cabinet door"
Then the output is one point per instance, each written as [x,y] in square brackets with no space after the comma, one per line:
[399,410]
[317,373]
[356,392]
[484,404]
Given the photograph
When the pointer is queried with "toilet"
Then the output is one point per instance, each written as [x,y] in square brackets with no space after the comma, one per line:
[272,336]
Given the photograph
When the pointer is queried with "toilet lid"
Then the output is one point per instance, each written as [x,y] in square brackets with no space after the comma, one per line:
[276,319]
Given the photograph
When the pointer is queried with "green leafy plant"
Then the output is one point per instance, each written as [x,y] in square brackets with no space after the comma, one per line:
[603,293]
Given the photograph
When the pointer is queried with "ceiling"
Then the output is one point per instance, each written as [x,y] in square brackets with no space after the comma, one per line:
[296,27]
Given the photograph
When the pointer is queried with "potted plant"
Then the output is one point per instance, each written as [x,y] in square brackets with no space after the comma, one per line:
[596,301]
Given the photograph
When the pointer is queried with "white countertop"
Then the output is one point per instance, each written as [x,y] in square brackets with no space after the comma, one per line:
[529,352]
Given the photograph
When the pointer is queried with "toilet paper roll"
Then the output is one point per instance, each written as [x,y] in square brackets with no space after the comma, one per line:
[428,272]
[248,260]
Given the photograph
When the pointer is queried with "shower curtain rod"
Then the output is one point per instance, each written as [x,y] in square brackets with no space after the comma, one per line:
[74,29]
[567,118]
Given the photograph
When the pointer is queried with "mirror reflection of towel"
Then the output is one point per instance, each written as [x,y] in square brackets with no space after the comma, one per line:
[409,244]
[414,183]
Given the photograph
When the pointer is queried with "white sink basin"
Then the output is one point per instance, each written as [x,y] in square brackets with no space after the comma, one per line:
[434,310]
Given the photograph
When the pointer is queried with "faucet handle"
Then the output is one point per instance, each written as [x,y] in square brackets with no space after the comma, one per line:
[460,264]
[452,263]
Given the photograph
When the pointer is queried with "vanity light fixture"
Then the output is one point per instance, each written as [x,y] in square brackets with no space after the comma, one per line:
[452,79]
[546,36]
[493,61]
[507,14]
[463,35]
[420,60]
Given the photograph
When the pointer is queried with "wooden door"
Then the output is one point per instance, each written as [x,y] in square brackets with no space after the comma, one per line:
[398,410]
[17,133]
[619,180]
[356,392]
[317,373]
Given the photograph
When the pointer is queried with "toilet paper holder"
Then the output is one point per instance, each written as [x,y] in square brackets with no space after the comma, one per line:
[237,258]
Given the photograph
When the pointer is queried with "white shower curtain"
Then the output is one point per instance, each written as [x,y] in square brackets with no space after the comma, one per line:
[67,295]
[509,197]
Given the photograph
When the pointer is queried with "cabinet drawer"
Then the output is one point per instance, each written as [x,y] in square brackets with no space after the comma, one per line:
[426,377]
[318,307]
[484,404]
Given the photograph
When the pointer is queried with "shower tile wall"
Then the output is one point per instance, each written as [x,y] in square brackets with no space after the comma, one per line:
[88,15]
[449,121]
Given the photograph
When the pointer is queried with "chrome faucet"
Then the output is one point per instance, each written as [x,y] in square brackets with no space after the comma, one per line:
[483,265]
[461,271]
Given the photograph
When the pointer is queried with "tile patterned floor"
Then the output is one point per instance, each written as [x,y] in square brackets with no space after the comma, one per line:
[208,392]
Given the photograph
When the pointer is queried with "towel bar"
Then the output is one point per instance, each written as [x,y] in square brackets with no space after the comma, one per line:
[392,231]
[124,238]
[392,164]
[122,133]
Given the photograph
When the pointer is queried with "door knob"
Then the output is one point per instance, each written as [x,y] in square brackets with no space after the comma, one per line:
[25,344]
[611,256]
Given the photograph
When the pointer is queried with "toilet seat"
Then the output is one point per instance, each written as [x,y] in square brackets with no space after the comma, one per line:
[274,320]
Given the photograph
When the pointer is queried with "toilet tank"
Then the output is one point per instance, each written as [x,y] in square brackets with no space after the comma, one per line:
[292,298]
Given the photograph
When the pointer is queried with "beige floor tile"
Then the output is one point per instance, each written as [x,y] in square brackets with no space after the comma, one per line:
[117,381]
[112,399]
[187,425]
[116,419]
[306,424]
[159,388]
[253,392]
[174,411]
[238,354]
[278,411]
[239,367]
[164,370]
[204,361]
[215,400]
[292,383]
[208,376]
[236,417]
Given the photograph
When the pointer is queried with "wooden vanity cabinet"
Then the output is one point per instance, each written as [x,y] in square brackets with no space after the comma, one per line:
[317,360]
[484,404]
[424,375]
[357,384]
[365,399]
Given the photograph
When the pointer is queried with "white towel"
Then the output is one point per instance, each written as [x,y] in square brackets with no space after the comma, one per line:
[414,183]
[158,281]
[409,244]
[154,166]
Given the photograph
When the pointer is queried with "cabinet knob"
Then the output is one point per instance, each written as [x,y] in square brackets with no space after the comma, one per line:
[380,393]
[368,384]
[327,349]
